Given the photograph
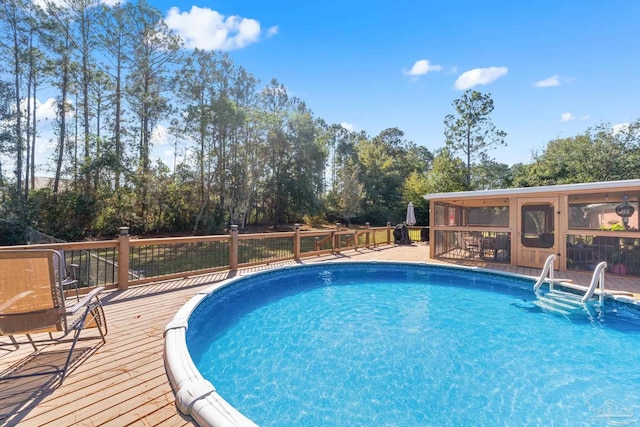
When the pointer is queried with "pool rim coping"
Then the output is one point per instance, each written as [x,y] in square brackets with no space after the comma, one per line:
[198,397]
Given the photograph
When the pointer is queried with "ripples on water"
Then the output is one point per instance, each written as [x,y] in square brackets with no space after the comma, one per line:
[390,344]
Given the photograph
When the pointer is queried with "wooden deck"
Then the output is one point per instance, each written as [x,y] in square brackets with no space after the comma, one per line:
[123,382]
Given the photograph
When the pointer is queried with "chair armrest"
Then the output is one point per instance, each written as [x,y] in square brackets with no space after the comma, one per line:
[86,301]
[72,271]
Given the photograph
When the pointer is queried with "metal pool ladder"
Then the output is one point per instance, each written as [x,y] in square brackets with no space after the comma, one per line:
[566,302]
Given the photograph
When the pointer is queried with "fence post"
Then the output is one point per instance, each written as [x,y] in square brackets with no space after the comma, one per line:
[123,258]
[233,248]
[336,240]
[296,242]
[388,233]
[367,226]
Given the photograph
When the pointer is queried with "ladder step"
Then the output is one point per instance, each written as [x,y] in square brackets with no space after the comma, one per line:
[570,303]
[549,307]
[565,295]
[564,304]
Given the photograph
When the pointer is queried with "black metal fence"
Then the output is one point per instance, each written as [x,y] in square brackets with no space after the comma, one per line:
[585,251]
[164,259]
[486,246]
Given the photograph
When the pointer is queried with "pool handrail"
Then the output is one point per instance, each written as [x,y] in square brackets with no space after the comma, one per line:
[547,270]
[598,278]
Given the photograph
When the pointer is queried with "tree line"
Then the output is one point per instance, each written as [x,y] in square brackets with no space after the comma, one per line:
[244,152]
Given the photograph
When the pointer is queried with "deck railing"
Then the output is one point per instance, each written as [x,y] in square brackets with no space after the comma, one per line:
[474,243]
[586,250]
[125,261]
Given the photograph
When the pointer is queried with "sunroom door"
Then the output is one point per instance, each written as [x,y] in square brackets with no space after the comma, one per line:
[537,237]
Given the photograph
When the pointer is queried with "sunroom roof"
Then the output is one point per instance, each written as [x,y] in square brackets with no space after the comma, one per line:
[564,188]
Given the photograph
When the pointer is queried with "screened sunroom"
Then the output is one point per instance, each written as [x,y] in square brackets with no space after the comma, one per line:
[582,224]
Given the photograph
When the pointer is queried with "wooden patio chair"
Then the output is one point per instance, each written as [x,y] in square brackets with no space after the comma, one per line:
[32,302]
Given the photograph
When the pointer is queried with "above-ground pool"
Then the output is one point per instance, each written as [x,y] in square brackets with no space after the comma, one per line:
[392,344]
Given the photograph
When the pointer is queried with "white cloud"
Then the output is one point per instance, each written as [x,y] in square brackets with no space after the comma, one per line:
[160,135]
[46,110]
[47,139]
[421,67]
[272,31]
[46,144]
[479,76]
[207,29]
[347,126]
[43,3]
[169,158]
[549,82]
[620,128]
[569,117]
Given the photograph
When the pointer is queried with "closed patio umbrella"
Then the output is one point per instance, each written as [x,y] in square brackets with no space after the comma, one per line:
[411,216]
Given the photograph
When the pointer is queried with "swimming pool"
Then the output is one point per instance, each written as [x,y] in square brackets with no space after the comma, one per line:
[399,344]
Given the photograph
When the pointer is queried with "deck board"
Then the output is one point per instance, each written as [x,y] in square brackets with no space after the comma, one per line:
[123,382]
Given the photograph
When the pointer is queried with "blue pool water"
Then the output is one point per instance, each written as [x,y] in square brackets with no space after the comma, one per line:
[412,345]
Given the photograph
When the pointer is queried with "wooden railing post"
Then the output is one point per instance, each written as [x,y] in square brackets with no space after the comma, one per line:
[233,248]
[388,233]
[123,258]
[367,226]
[296,242]
[336,239]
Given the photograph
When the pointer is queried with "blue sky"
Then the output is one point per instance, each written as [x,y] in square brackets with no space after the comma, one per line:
[553,68]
